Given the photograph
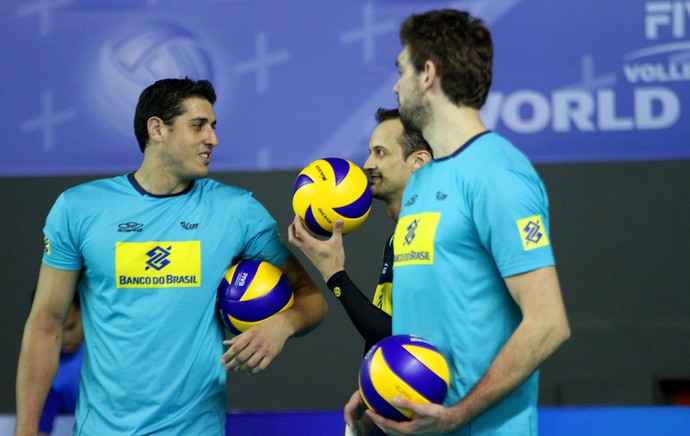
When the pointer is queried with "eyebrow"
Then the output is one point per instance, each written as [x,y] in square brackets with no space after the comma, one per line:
[204,120]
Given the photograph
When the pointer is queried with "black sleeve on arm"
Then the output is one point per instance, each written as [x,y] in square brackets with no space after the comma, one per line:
[371,322]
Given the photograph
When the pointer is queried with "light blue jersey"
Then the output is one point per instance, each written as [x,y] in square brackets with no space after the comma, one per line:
[150,269]
[467,221]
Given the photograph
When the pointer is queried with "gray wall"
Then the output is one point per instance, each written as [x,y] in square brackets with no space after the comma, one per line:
[621,235]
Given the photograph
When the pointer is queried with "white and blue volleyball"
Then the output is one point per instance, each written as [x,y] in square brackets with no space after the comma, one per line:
[406,366]
[252,291]
[331,189]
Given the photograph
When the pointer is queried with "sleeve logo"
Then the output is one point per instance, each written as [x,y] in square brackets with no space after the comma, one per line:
[46,245]
[532,232]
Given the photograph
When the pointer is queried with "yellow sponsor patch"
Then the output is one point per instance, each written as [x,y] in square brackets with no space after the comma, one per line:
[532,232]
[158,264]
[413,243]
[46,245]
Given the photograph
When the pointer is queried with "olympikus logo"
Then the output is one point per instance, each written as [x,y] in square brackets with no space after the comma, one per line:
[189,226]
[130,227]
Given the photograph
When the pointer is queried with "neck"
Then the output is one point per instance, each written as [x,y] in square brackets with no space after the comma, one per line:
[157,181]
[393,208]
[450,129]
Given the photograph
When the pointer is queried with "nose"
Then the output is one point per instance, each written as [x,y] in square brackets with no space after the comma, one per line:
[396,87]
[212,138]
[368,164]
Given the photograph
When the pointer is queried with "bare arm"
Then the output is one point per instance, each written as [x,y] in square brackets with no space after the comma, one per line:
[256,348]
[543,328]
[40,352]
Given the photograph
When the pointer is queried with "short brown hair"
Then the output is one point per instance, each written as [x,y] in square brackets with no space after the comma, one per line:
[460,47]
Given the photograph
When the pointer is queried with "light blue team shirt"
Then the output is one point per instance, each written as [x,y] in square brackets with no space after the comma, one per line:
[468,221]
[150,269]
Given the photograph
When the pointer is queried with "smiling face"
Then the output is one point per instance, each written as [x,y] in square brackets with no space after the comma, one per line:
[388,169]
[188,142]
[413,113]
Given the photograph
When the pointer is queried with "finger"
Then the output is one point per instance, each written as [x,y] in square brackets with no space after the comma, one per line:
[235,346]
[261,366]
[240,362]
[338,228]
[402,403]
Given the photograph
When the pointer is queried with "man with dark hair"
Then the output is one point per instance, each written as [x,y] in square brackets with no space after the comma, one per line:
[474,270]
[394,155]
[146,251]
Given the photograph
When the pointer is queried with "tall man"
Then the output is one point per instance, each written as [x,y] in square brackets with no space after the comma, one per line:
[146,251]
[394,155]
[474,270]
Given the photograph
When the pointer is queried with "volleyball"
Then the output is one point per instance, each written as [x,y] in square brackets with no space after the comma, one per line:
[331,189]
[251,292]
[406,366]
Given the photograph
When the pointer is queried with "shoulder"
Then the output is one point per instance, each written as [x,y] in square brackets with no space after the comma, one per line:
[222,195]
[222,189]
[99,186]
[494,158]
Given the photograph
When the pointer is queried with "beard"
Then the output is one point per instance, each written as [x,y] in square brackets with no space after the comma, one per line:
[414,115]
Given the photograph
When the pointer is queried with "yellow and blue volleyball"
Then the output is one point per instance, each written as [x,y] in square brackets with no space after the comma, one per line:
[406,366]
[251,292]
[331,189]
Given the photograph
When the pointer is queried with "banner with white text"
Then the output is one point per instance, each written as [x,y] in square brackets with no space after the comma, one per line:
[577,81]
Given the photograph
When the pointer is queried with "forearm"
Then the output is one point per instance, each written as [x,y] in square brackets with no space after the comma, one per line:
[309,307]
[37,366]
[307,312]
[527,348]
[372,323]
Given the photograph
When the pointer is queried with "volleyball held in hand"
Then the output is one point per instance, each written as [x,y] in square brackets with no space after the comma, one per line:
[331,189]
[251,292]
[406,366]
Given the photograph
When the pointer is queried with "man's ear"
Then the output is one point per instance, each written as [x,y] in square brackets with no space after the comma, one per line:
[155,128]
[430,74]
[420,158]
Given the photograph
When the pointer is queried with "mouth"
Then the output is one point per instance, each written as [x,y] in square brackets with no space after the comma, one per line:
[206,156]
[374,179]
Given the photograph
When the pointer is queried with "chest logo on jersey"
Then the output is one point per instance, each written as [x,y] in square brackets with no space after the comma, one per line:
[414,239]
[158,264]
[130,227]
[532,232]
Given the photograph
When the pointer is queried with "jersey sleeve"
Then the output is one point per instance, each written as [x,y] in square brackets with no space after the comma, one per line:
[510,210]
[60,245]
[262,235]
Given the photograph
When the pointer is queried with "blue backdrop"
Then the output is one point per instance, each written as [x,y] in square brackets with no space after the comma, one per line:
[297,80]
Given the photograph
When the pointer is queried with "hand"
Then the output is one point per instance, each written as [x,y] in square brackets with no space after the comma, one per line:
[427,419]
[328,256]
[256,348]
[355,418]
